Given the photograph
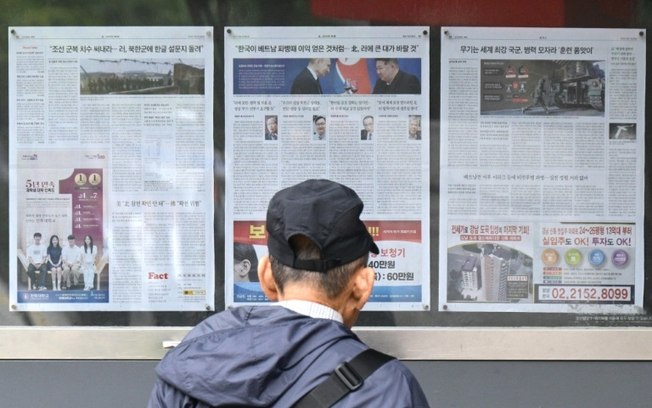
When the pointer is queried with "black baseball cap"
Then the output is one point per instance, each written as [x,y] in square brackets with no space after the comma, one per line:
[326,212]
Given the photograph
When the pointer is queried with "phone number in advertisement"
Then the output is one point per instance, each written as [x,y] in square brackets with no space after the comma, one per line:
[584,294]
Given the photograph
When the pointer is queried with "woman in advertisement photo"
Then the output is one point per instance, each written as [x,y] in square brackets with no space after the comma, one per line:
[55,262]
[89,260]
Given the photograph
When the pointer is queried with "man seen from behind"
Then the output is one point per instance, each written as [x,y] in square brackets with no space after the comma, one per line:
[271,355]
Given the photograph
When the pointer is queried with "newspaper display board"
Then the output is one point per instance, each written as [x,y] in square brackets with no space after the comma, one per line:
[542,170]
[111,168]
[314,102]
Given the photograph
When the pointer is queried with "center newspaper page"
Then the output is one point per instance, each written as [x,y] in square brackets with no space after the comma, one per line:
[111,165]
[349,104]
[542,170]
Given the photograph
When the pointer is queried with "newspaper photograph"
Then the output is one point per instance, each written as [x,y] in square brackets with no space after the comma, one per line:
[110,165]
[349,104]
[542,170]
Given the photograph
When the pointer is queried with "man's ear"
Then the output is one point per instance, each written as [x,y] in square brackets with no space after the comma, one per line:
[364,284]
[266,279]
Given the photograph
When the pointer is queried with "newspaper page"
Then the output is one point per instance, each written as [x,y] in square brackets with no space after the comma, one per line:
[111,168]
[349,104]
[542,170]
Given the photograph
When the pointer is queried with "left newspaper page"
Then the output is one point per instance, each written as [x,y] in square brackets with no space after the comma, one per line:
[111,168]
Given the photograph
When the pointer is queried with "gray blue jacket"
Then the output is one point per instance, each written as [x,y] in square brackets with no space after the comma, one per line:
[269,356]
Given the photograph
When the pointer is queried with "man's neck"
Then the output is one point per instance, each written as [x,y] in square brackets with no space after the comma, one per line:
[305,293]
[311,309]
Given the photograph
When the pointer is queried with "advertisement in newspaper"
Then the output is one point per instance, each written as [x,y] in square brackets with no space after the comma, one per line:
[110,169]
[349,104]
[542,170]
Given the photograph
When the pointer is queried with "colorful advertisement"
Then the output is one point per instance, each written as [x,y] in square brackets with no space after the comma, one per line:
[542,170]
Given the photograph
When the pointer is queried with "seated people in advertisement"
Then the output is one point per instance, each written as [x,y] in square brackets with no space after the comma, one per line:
[36,256]
[71,255]
[55,262]
[272,355]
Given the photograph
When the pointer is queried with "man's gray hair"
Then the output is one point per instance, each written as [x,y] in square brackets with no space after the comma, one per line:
[331,282]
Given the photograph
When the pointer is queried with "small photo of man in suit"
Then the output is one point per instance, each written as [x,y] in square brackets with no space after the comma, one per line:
[368,128]
[414,127]
[319,127]
[271,127]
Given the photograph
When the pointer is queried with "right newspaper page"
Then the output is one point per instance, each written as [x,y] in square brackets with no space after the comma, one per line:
[542,170]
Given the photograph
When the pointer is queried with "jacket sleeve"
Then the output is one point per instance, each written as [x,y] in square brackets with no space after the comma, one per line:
[165,396]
